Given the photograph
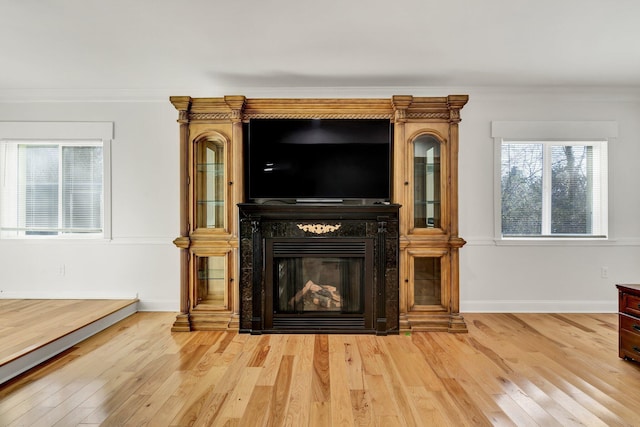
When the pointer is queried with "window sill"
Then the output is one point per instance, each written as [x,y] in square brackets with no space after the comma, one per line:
[147,241]
[54,241]
[556,241]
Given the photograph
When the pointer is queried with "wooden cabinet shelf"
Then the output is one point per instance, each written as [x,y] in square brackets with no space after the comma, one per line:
[211,202]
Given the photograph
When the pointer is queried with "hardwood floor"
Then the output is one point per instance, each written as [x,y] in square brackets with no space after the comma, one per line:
[510,369]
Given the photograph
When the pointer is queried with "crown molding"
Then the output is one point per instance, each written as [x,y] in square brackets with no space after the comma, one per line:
[575,93]
[84,95]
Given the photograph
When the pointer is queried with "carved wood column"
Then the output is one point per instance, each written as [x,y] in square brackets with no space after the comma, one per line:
[401,190]
[456,324]
[183,105]
[401,185]
[236,104]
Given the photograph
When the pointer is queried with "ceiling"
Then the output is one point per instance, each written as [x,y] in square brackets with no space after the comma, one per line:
[212,48]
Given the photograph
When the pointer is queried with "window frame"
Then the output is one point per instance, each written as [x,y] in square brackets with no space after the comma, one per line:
[553,133]
[67,133]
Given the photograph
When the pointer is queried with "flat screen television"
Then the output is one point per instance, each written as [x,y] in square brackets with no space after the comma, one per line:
[323,160]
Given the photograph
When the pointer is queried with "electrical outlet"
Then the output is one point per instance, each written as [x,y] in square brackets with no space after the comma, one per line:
[604,272]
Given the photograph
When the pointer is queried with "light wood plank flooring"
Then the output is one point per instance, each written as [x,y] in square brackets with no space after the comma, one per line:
[510,369]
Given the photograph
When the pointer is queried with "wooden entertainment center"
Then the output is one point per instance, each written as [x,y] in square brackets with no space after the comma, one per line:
[420,257]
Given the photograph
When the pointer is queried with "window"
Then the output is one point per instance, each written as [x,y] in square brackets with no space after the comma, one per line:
[52,187]
[551,188]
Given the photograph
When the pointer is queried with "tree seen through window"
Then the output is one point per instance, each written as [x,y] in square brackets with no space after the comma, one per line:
[547,189]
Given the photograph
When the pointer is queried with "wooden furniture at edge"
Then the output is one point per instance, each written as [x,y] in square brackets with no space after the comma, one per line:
[424,183]
[629,321]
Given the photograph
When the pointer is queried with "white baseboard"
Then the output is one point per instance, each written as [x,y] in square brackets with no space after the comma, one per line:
[159,305]
[16,367]
[539,306]
[143,305]
[64,295]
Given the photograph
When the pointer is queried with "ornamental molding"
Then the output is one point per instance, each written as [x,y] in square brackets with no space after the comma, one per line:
[457,242]
[183,116]
[210,116]
[182,242]
[311,115]
[319,228]
[400,108]
[423,115]
[293,115]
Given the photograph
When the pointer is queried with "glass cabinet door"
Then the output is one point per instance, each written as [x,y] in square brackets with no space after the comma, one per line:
[427,281]
[210,184]
[426,191]
[429,276]
[211,284]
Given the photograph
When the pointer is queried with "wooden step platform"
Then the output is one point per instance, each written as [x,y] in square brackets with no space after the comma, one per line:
[34,330]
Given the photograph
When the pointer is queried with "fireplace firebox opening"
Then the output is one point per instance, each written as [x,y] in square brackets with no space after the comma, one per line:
[319,280]
[304,285]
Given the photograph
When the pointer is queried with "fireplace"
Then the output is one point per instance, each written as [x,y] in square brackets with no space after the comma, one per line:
[319,268]
[319,284]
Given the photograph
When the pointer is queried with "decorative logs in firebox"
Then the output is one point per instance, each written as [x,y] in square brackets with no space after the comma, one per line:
[317,297]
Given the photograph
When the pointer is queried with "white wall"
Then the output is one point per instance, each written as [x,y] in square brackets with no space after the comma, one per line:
[551,277]
[141,260]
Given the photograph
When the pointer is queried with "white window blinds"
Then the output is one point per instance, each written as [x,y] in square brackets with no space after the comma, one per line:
[553,189]
[55,179]
[51,188]
[552,179]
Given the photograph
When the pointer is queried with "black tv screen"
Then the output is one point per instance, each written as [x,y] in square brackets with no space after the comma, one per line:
[318,159]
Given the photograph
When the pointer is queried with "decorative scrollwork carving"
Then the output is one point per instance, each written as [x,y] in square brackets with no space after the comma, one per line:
[318,228]
[311,115]
[210,116]
[183,116]
[423,115]
[236,115]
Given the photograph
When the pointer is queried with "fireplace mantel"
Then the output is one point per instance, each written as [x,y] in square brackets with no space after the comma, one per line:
[313,228]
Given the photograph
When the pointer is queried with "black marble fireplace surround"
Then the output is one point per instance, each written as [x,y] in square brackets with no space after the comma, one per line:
[354,249]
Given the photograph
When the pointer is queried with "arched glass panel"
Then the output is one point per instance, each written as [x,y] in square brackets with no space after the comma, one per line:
[426,190]
[210,184]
